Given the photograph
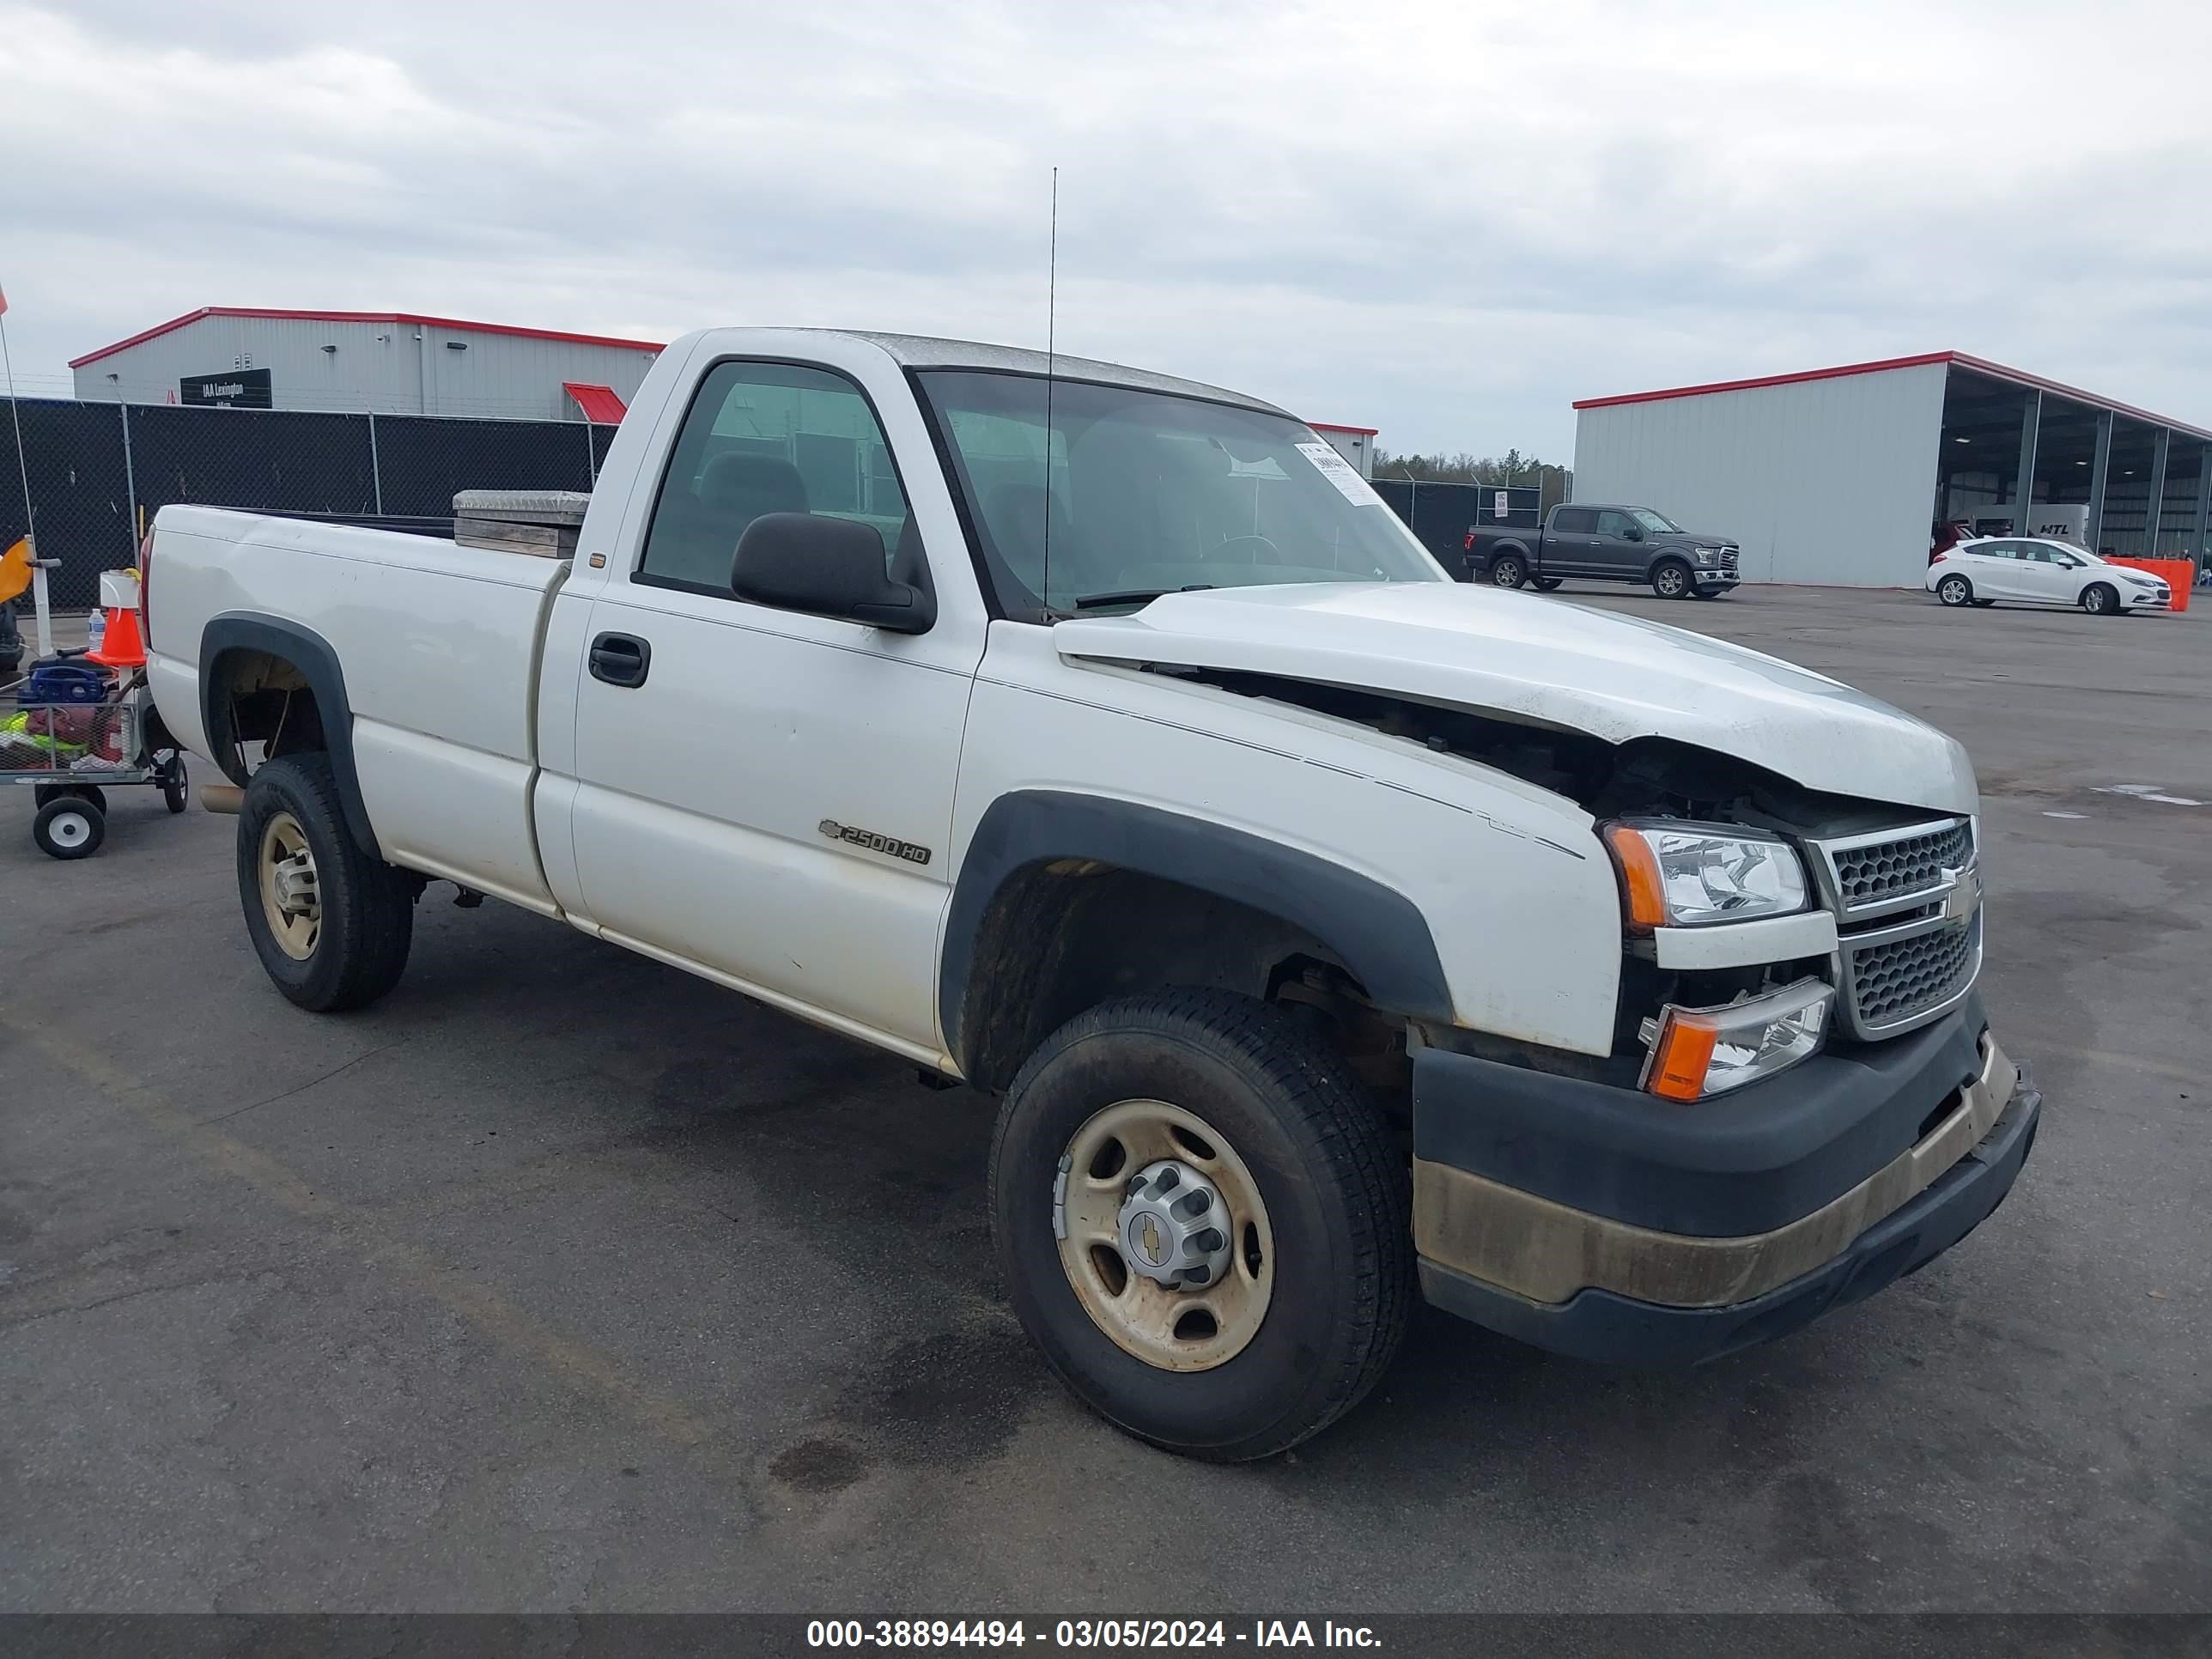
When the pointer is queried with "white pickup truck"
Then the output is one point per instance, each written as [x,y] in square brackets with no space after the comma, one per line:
[1333,932]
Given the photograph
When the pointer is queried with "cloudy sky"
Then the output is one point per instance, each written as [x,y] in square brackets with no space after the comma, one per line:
[1443,221]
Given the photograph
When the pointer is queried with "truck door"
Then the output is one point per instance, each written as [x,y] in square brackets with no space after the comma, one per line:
[1612,553]
[725,749]
[1567,541]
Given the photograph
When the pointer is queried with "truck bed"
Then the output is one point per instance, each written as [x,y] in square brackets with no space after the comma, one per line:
[439,644]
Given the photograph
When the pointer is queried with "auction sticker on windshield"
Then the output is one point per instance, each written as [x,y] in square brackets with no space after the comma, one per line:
[1340,472]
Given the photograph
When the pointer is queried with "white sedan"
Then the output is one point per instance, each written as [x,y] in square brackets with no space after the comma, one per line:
[2032,570]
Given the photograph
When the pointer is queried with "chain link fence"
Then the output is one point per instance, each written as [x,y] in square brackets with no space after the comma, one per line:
[1441,515]
[96,470]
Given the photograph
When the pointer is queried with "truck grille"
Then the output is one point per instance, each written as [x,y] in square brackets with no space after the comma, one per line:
[1729,557]
[1874,872]
[1908,907]
[1889,985]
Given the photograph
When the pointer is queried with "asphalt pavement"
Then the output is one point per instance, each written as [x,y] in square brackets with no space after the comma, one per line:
[562,1281]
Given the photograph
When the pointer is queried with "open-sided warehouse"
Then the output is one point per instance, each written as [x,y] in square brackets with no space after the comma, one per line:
[1838,475]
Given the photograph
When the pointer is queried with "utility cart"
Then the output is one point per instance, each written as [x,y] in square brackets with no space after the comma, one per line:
[81,723]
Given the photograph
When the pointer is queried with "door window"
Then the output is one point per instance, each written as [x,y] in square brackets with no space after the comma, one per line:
[1613,524]
[1574,521]
[766,438]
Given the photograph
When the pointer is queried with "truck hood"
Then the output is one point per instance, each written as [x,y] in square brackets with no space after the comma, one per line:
[1548,663]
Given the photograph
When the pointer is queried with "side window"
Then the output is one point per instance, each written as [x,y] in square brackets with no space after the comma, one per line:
[1613,524]
[1998,551]
[766,438]
[1574,521]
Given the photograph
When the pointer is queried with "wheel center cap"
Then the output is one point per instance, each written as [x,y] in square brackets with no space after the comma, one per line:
[1175,1227]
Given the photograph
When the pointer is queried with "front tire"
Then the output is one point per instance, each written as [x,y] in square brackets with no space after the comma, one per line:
[1671,579]
[2101,599]
[1544,584]
[1507,570]
[1243,1108]
[1955,590]
[330,924]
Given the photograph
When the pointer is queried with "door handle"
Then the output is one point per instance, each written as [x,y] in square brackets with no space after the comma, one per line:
[620,659]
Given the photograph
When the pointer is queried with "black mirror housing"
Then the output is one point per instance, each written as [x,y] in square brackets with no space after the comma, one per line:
[1634,532]
[826,567]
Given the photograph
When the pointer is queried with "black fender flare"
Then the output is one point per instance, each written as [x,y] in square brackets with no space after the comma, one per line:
[1378,932]
[230,632]
[1682,555]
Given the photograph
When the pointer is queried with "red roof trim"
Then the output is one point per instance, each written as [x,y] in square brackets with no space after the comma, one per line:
[175,323]
[599,403]
[1331,426]
[1957,359]
[1769,380]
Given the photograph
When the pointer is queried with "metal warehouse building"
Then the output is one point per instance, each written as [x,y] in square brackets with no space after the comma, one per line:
[380,362]
[1838,475]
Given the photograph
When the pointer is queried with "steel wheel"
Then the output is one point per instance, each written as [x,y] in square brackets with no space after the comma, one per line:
[291,895]
[1165,1239]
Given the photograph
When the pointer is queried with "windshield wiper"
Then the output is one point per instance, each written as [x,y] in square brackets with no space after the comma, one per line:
[1136,596]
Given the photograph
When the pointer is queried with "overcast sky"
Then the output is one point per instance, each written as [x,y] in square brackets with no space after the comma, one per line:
[1446,221]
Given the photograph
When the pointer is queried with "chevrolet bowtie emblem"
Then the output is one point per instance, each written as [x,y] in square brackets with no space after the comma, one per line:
[1964,897]
[1149,1241]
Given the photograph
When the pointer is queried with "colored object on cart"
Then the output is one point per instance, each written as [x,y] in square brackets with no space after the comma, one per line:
[15,570]
[62,682]
[121,645]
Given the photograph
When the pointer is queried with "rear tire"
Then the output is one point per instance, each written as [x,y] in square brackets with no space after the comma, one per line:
[2101,599]
[346,918]
[1507,570]
[1955,590]
[68,827]
[1335,1278]
[1984,605]
[1671,579]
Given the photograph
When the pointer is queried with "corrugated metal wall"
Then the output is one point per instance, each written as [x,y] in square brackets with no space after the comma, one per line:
[392,368]
[1829,481]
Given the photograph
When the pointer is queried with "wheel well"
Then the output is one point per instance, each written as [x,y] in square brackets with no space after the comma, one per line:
[257,697]
[1065,935]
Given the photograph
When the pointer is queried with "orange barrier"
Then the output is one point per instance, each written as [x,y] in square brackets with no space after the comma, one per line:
[2180,574]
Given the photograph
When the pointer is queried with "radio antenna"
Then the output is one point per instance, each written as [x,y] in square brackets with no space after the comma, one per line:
[1051,337]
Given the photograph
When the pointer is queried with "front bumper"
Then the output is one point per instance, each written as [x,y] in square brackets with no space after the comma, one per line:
[1605,1284]
[1705,575]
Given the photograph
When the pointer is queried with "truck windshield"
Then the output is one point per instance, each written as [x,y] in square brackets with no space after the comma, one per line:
[1150,493]
[1658,521]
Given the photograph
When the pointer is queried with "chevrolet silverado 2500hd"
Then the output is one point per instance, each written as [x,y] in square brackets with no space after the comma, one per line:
[1333,932]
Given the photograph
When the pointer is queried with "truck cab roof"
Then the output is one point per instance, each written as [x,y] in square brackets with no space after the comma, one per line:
[925,351]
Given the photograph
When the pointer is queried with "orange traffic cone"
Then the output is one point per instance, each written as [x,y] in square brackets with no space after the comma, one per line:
[123,646]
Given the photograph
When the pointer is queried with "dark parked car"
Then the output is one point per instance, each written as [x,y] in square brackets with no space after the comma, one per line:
[1605,544]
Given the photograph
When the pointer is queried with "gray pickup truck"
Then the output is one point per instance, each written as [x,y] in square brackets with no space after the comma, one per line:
[1596,542]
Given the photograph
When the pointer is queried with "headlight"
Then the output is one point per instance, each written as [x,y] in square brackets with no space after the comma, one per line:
[1709,555]
[1688,875]
[1697,1053]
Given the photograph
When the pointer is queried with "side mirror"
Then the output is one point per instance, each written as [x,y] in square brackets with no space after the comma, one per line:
[1634,532]
[826,567]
